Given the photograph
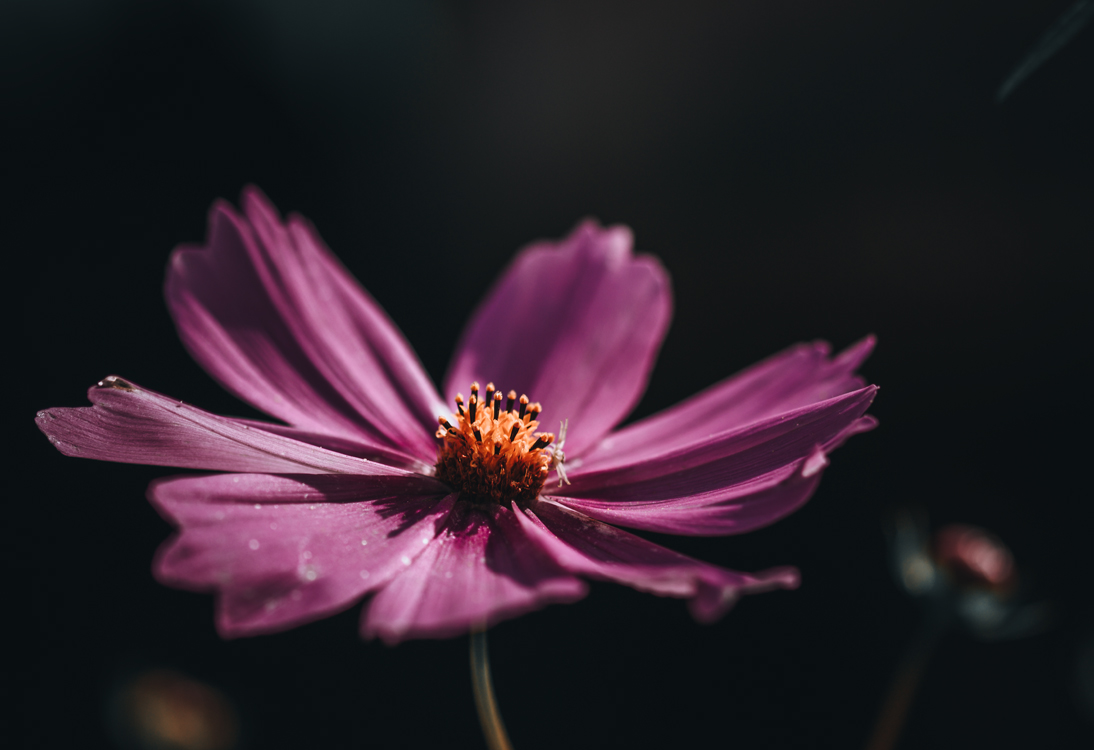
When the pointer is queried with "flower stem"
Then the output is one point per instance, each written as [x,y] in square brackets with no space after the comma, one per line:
[492,727]
[895,709]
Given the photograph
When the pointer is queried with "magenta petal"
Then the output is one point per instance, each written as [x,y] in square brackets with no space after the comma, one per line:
[285,550]
[719,462]
[481,568]
[268,311]
[590,548]
[799,376]
[576,326]
[132,425]
[731,510]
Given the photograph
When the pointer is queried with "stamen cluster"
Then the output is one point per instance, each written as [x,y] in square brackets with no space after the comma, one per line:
[493,454]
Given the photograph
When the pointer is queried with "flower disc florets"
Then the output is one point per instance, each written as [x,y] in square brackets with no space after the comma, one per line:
[491,453]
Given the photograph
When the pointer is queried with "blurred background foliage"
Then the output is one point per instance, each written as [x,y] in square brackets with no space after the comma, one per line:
[802,169]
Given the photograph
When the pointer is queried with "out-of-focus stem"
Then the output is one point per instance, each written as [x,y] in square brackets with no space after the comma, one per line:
[492,727]
[895,709]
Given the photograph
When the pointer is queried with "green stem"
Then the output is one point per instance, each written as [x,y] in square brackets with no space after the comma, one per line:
[492,727]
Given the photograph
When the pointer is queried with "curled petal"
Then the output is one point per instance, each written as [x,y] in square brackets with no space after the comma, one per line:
[590,548]
[574,325]
[480,569]
[266,309]
[795,378]
[132,425]
[284,550]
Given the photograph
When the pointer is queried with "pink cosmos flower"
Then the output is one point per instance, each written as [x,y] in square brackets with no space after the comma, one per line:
[456,513]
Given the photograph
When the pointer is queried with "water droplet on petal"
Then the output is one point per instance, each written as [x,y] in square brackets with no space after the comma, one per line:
[364,574]
[310,574]
[364,542]
[307,555]
[253,544]
[258,506]
[405,559]
[273,527]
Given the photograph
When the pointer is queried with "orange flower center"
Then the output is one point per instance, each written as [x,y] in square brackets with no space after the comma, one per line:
[491,452]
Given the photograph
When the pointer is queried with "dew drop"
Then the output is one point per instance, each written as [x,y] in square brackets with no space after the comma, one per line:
[258,506]
[273,527]
[235,480]
[364,542]
[364,574]
[405,559]
[253,544]
[310,574]
[311,507]
[307,555]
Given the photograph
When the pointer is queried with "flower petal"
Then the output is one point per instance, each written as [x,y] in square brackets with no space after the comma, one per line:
[479,570]
[135,426]
[799,376]
[266,309]
[731,510]
[576,325]
[728,457]
[588,547]
[284,550]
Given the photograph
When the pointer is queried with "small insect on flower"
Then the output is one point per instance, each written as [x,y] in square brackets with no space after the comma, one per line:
[451,520]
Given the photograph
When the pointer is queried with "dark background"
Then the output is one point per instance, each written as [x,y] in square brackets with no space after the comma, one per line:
[803,170]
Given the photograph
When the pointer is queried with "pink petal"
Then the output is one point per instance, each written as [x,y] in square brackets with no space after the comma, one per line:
[267,310]
[730,510]
[135,426]
[576,326]
[801,375]
[587,547]
[285,550]
[479,570]
[726,458]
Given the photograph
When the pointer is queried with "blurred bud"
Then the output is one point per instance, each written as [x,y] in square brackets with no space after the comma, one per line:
[966,575]
[972,556]
[164,710]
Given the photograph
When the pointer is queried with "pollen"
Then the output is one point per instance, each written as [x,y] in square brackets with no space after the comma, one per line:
[490,451]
